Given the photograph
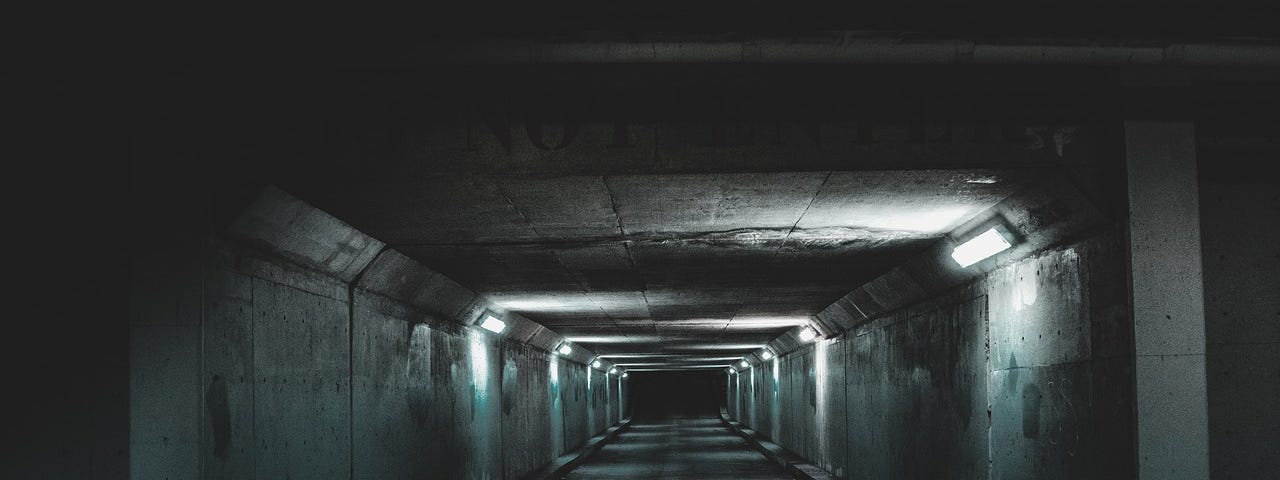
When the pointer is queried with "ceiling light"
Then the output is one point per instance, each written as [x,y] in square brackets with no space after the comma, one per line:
[808,334]
[492,324]
[564,349]
[744,364]
[766,354]
[596,363]
[613,370]
[983,245]
[624,374]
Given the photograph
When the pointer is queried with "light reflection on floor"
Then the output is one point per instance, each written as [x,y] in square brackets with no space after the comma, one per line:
[694,448]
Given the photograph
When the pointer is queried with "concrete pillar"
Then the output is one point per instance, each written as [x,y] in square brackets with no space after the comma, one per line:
[1168,300]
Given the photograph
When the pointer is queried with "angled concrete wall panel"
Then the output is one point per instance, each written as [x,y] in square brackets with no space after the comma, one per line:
[301,233]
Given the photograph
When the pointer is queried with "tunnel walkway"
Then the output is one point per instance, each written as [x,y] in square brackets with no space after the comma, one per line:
[679,448]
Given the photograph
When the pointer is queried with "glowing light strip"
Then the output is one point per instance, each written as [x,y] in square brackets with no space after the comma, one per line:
[976,249]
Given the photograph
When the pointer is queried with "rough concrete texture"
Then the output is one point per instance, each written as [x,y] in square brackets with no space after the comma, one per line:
[680,448]
[283,224]
[1052,213]
[620,262]
[1005,377]
[796,465]
[429,398]
[279,367]
[288,228]
[1242,327]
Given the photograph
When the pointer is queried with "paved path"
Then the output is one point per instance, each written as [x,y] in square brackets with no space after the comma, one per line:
[693,448]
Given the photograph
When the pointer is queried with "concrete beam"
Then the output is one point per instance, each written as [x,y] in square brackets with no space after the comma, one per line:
[1168,300]
[299,232]
[846,47]
[281,224]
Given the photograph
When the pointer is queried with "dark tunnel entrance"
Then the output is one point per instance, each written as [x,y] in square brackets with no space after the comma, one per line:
[676,394]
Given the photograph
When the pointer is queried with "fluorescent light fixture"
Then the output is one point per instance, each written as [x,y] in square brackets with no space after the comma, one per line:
[613,370]
[808,334]
[596,363]
[766,354]
[744,364]
[976,249]
[564,349]
[492,324]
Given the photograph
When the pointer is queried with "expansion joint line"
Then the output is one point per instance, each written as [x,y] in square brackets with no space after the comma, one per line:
[351,360]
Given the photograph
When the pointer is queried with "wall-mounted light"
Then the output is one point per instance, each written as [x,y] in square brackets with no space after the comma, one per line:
[596,363]
[981,246]
[625,374]
[766,354]
[491,323]
[565,349]
[807,334]
[744,364]
[613,371]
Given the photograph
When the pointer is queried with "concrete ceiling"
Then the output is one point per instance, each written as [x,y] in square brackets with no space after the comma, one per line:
[676,270]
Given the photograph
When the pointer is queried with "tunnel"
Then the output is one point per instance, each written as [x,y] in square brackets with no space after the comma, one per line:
[691,252]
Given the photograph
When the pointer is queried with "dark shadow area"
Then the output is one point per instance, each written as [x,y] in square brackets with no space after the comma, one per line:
[67,385]
[654,395]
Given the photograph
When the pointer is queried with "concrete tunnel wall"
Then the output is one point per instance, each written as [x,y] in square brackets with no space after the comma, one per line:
[1003,377]
[301,366]
[1043,344]
[1018,367]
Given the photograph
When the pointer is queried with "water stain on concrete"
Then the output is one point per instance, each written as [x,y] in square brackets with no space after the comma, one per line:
[1031,411]
[215,399]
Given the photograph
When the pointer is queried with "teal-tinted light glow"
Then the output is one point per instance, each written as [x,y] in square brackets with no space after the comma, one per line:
[596,364]
[766,354]
[613,370]
[479,364]
[492,324]
[808,334]
[565,349]
[744,364]
[982,246]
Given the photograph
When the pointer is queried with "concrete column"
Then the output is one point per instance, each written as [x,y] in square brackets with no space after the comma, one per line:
[1168,300]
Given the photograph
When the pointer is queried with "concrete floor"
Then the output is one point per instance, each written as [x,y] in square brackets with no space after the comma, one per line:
[692,448]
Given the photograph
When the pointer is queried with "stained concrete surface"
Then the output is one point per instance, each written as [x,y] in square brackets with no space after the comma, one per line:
[298,382]
[286,369]
[678,448]
[624,256]
[1019,374]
